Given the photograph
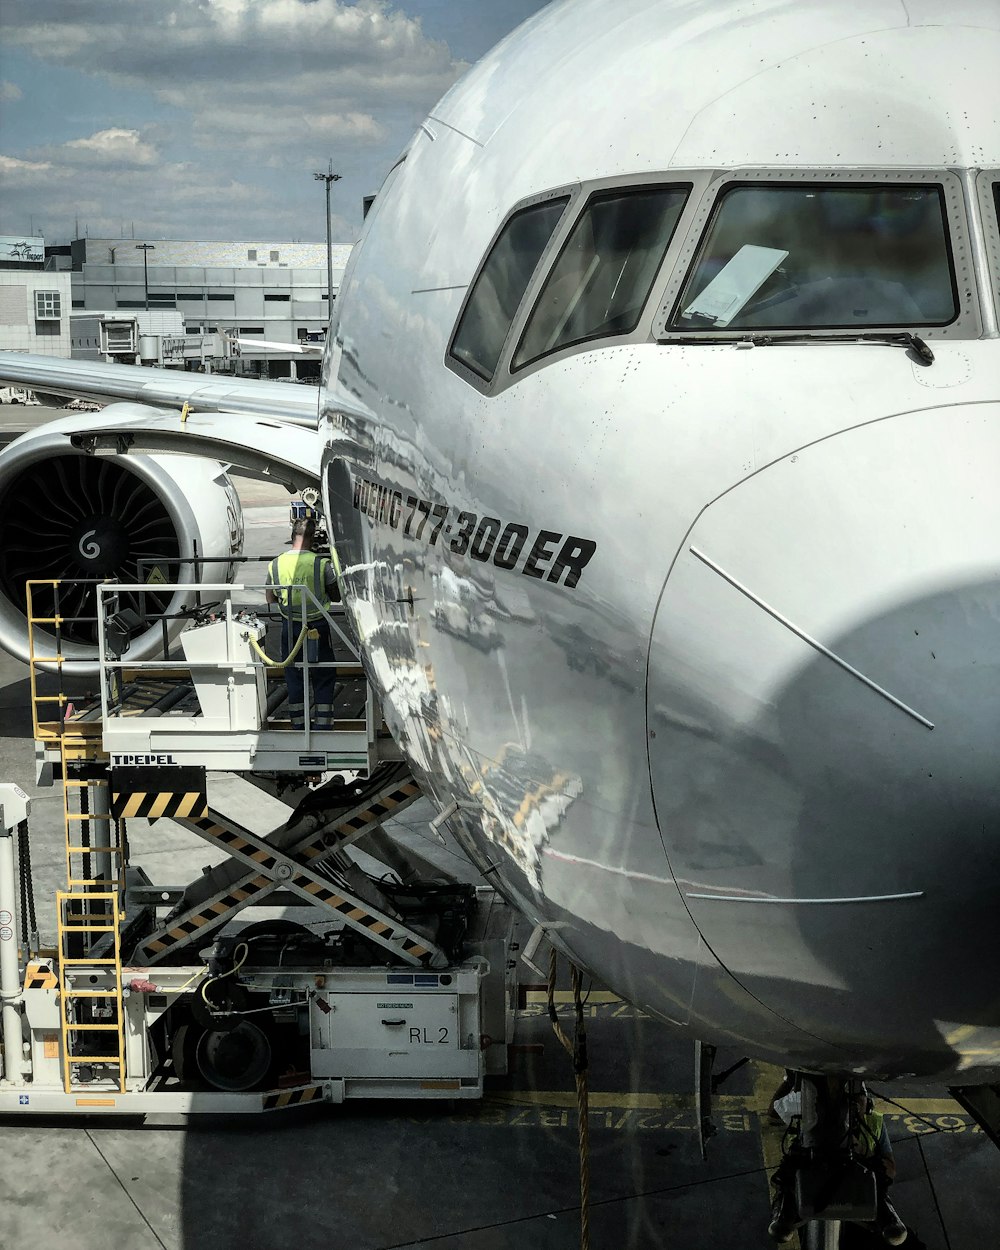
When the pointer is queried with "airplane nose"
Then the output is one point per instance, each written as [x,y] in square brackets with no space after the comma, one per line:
[824,721]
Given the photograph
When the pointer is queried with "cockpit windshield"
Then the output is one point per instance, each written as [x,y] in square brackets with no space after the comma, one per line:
[501,284]
[602,279]
[821,257]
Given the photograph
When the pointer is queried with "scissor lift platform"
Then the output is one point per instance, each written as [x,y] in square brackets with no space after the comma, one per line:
[183,999]
[215,700]
[387,991]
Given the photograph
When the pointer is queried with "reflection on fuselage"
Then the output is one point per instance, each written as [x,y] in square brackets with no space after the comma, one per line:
[724,760]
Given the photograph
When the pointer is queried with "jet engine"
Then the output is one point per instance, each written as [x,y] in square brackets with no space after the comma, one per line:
[83,518]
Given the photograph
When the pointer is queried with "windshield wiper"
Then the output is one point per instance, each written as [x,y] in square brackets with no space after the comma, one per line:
[906,338]
[891,338]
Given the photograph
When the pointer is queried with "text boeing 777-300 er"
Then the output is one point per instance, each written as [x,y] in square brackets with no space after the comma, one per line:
[659,436]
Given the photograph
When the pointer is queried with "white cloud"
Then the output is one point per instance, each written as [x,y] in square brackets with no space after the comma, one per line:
[111,147]
[282,134]
[235,57]
[10,91]
[15,167]
[106,202]
[110,179]
[248,96]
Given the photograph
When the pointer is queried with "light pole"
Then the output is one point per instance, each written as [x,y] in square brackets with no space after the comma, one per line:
[328,177]
[144,248]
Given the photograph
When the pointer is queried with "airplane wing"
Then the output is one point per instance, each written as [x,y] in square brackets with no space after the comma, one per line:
[261,447]
[182,432]
[294,405]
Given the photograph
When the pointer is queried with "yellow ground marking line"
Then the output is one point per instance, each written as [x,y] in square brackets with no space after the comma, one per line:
[558,1099]
[756,1102]
[626,1101]
[767,1078]
[566,996]
[921,1106]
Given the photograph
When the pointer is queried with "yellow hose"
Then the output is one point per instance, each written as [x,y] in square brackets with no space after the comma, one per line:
[305,633]
[244,947]
[181,988]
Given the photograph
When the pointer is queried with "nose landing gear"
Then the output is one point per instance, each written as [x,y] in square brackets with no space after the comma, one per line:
[837,1168]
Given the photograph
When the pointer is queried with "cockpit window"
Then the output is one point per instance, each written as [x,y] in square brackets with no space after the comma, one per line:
[501,284]
[810,257]
[603,276]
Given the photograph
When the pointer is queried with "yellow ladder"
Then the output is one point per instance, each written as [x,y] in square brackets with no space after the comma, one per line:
[91,906]
[74,917]
[83,739]
[74,821]
[44,728]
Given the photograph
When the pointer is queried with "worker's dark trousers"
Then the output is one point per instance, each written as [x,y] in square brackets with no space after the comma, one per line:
[322,681]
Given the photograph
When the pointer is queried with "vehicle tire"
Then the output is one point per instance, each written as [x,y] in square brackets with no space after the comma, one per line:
[234,1060]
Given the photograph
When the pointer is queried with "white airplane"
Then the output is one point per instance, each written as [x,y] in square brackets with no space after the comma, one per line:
[671,339]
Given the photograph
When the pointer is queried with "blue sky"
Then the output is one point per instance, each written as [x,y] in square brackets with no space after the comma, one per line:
[206,118]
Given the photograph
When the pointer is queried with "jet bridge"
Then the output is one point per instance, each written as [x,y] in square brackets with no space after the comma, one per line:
[167,998]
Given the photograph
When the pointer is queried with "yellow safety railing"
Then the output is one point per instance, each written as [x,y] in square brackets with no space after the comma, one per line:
[43,728]
[82,739]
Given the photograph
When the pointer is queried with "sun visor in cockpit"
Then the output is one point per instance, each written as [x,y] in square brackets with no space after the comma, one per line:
[735,284]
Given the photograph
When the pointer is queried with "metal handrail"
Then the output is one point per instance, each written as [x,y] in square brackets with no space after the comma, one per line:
[309,605]
[49,729]
[110,668]
[225,588]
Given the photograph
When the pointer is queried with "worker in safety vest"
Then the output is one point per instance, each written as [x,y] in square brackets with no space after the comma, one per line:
[301,566]
[870,1147]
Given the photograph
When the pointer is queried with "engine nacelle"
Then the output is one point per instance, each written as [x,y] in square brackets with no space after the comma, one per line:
[68,515]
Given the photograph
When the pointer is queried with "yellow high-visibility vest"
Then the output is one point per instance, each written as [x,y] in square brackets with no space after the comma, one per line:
[867,1138]
[300,568]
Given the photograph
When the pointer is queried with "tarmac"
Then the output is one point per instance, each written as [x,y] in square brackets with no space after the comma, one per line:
[494,1175]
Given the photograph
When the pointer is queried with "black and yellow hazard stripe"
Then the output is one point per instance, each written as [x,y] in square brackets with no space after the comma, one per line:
[359,917]
[250,848]
[179,793]
[39,976]
[291,1098]
[373,814]
[377,811]
[184,928]
[178,806]
[233,841]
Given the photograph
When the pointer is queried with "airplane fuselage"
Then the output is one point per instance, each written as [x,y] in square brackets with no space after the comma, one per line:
[697,625]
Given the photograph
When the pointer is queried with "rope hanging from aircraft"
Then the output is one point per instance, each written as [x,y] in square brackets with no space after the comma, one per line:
[576,1048]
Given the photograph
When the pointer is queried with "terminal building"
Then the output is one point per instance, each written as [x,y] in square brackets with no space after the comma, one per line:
[272,291]
[34,300]
[258,289]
